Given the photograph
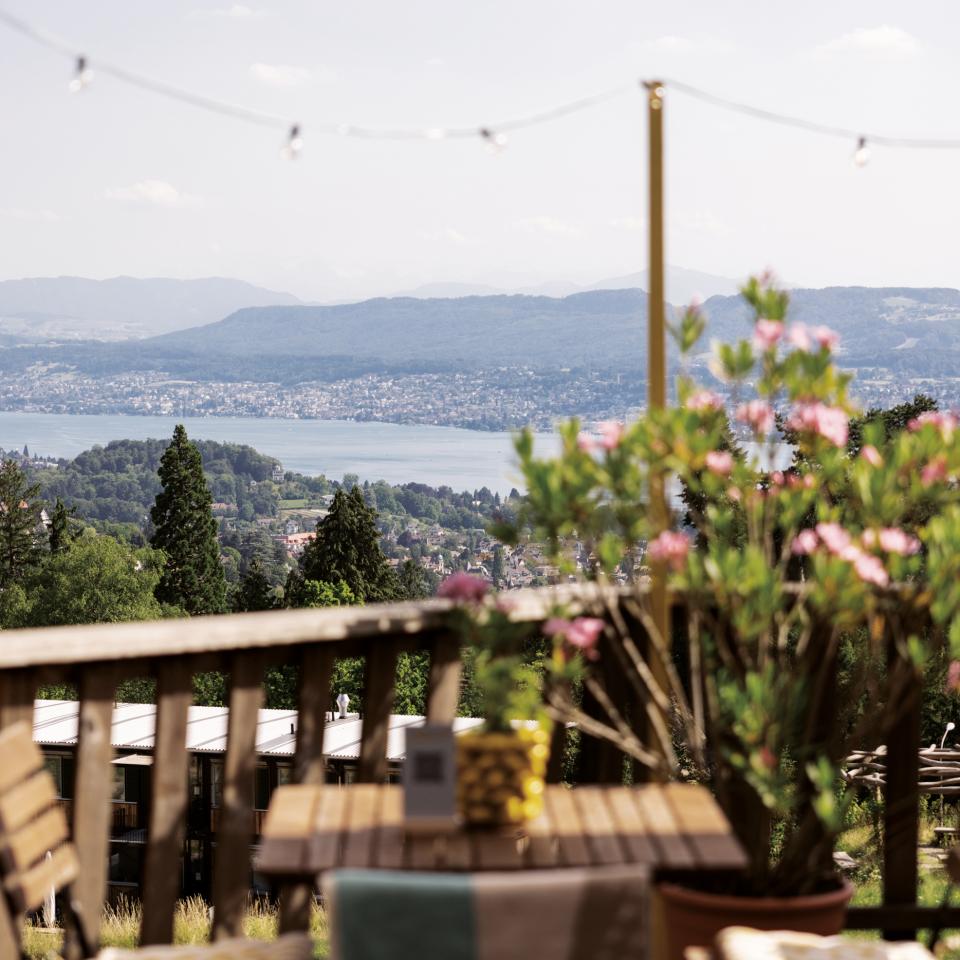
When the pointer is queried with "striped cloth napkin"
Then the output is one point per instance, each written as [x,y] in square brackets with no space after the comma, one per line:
[570,914]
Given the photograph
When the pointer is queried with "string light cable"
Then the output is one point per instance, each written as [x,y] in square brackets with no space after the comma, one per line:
[494,134]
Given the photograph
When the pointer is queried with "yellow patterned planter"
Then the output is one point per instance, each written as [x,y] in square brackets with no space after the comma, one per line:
[500,776]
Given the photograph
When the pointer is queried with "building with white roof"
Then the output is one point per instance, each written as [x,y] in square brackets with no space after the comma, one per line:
[55,724]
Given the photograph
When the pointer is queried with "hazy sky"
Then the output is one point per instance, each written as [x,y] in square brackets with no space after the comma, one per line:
[116,181]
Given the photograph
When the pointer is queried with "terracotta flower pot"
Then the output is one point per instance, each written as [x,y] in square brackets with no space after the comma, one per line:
[500,776]
[692,918]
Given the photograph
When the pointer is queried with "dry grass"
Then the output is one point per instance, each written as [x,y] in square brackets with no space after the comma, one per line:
[121,924]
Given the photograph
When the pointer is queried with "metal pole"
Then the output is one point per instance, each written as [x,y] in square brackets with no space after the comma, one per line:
[656,352]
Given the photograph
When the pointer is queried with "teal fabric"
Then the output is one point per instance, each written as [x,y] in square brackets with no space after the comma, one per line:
[386,915]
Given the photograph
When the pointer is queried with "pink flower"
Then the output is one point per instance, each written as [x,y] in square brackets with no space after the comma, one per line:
[757,413]
[766,333]
[803,337]
[826,338]
[582,633]
[463,587]
[805,543]
[870,569]
[946,423]
[586,443]
[934,472]
[704,400]
[829,422]
[834,537]
[720,462]
[670,548]
[734,494]
[953,677]
[611,433]
[872,455]
[799,336]
[892,540]
[776,478]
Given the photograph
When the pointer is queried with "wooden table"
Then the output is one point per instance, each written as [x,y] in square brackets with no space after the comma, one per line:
[673,827]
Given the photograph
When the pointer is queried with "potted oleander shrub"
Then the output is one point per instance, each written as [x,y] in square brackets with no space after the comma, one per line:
[502,765]
[813,593]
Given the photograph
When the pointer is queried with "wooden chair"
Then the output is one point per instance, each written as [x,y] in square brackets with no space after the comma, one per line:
[32,824]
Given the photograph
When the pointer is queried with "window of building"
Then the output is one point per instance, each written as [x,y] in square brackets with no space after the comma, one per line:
[54,766]
[216,783]
[261,787]
[119,784]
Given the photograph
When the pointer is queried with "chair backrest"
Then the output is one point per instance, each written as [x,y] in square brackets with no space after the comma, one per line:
[32,824]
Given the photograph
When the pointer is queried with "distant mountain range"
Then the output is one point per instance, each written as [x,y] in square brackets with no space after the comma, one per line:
[69,308]
[915,331]
[683,285]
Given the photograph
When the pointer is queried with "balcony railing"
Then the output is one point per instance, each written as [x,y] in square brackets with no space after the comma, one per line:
[96,658]
[256,820]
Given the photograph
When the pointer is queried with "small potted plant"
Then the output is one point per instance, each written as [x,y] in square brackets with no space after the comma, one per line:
[807,588]
[502,765]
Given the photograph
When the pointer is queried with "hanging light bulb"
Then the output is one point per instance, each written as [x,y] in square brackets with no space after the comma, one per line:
[82,76]
[294,145]
[495,140]
[861,155]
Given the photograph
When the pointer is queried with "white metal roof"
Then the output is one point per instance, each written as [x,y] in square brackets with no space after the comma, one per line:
[55,724]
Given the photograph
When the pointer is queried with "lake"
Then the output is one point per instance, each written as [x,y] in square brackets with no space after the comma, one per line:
[397,453]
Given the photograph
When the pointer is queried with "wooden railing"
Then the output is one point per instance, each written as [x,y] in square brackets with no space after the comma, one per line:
[96,658]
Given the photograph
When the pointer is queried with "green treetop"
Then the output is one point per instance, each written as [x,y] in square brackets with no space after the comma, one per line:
[347,549]
[255,591]
[185,530]
[60,533]
[98,580]
[19,524]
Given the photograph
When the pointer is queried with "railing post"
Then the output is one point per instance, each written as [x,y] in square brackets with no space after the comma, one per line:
[231,877]
[168,809]
[901,806]
[316,668]
[443,692]
[17,692]
[378,693]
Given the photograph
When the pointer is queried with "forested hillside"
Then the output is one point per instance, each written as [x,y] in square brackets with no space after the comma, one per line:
[118,482]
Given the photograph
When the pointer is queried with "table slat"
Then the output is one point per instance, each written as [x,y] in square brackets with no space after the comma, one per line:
[496,850]
[325,838]
[457,851]
[631,826]
[663,828]
[541,840]
[567,827]
[361,825]
[704,826]
[390,839]
[420,851]
[598,825]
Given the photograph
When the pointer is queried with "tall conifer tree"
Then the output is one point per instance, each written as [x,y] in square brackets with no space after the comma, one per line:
[184,528]
[347,549]
[255,591]
[19,523]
